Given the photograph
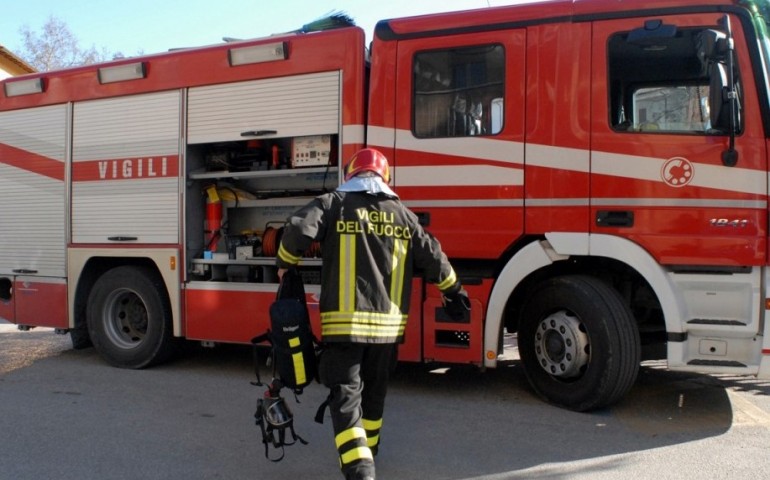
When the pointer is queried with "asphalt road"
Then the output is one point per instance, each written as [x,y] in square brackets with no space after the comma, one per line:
[65,414]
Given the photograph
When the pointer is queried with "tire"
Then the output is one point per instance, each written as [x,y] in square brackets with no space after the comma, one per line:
[579,343]
[129,318]
[79,337]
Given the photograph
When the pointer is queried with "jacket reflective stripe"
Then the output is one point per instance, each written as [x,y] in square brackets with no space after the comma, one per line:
[347,295]
[358,330]
[450,280]
[362,332]
[299,362]
[287,257]
[398,266]
[366,318]
[366,324]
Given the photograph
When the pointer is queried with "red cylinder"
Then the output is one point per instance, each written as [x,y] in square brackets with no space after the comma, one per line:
[275,156]
[213,225]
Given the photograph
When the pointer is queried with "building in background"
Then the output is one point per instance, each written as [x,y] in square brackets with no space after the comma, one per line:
[11,65]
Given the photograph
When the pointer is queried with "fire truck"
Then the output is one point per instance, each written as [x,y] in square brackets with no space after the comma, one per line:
[596,170]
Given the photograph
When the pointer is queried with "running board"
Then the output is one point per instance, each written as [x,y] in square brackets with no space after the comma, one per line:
[716,363]
[709,321]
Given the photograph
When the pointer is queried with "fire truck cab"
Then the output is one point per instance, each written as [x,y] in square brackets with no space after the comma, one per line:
[597,171]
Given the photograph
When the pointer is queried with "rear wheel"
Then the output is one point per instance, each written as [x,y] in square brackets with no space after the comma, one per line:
[579,343]
[129,317]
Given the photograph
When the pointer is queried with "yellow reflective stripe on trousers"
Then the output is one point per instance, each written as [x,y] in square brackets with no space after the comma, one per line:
[448,281]
[371,424]
[350,434]
[372,428]
[358,453]
[397,274]
[372,441]
[347,293]
[299,363]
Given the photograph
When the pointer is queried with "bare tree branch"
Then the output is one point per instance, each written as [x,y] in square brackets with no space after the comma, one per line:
[56,47]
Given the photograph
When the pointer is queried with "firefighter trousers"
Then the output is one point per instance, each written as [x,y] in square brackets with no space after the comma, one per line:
[357,376]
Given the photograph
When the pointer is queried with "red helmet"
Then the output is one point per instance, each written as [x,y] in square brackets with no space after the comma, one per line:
[370,160]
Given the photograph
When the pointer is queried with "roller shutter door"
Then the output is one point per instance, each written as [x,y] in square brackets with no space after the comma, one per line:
[32,194]
[126,169]
[290,106]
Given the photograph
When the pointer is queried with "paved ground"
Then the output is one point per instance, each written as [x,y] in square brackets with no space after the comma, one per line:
[65,414]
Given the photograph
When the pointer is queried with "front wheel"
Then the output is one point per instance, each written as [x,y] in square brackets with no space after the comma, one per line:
[578,343]
[129,317]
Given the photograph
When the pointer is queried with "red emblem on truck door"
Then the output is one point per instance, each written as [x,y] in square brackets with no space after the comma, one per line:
[677,172]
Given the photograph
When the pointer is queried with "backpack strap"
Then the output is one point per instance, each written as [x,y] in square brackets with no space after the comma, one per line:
[319,414]
[265,337]
[296,437]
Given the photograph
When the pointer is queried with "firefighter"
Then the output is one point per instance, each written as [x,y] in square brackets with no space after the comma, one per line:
[371,243]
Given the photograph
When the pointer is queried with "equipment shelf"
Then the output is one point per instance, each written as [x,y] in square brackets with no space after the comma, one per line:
[257,261]
[288,172]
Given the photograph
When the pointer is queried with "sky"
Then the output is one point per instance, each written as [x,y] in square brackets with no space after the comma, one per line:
[132,27]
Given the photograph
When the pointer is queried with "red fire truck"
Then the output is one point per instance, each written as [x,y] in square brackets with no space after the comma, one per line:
[597,170]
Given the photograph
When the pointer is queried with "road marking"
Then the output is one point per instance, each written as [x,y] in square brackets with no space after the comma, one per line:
[745,412]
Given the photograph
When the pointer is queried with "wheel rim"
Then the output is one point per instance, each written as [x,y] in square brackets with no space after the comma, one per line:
[562,347]
[125,318]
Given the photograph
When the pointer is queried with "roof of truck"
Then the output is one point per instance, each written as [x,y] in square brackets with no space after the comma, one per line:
[522,15]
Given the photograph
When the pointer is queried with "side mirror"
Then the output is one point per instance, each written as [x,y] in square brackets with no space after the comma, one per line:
[712,45]
[719,111]
[715,50]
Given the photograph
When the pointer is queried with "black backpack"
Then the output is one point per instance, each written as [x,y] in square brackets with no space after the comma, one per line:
[293,356]
[290,335]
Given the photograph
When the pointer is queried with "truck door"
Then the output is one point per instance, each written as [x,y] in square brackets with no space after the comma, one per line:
[459,158]
[32,225]
[662,171]
[657,171]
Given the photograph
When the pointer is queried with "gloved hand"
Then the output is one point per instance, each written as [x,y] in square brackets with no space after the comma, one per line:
[457,304]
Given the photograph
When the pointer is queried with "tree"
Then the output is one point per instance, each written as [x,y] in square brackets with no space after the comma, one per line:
[57,47]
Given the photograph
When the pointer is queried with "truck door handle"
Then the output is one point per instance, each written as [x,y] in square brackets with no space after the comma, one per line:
[23,270]
[258,133]
[122,239]
[614,218]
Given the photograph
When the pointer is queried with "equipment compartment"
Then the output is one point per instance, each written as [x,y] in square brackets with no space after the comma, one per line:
[239,194]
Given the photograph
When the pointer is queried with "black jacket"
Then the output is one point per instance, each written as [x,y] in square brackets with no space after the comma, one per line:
[371,245]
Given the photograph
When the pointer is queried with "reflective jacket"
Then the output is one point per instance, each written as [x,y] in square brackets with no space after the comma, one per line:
[371,244]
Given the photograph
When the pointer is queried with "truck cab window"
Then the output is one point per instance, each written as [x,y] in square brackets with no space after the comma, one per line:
[664,84]
[458,92]
[671,108]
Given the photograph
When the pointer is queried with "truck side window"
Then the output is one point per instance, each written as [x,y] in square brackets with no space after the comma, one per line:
[459,92]
[661,85]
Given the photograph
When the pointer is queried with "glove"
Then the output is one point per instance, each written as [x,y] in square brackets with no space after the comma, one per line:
[457,304]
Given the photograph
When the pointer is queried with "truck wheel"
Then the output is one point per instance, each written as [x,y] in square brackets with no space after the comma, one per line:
[129,317]
[578,343]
